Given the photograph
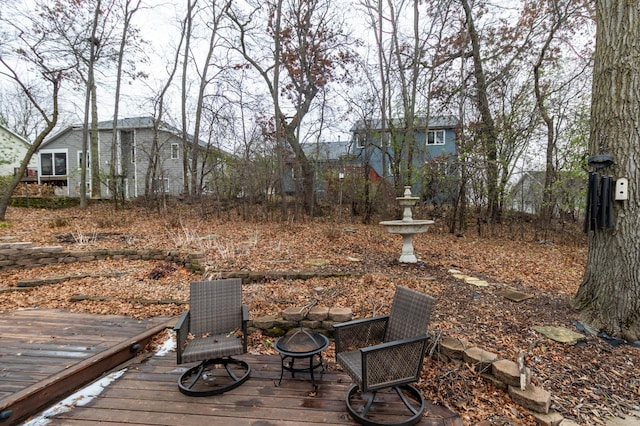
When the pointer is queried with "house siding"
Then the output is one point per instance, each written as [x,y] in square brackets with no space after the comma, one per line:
[70,144]
[171,169]
[12,151]
[372,154]
[70,141]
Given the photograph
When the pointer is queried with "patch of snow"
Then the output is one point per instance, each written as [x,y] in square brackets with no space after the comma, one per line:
[80,398]
[168,345]
[86,395]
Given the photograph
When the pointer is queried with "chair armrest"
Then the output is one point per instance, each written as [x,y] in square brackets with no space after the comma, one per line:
[356,334]
[245,319]
[245,313]
[393,363]
[182,332]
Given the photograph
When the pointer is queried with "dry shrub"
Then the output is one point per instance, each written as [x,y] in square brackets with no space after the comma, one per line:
[58,222]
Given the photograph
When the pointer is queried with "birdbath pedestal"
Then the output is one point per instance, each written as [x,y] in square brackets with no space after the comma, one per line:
[407,227]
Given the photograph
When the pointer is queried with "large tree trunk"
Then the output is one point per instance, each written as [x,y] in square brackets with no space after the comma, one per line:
[306,168]
[609,296]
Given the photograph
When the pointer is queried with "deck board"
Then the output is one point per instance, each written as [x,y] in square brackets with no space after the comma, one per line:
[148,394]
[47,354]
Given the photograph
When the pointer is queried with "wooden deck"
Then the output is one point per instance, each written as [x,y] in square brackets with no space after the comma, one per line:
[148,394]
[38,346]
[47,354]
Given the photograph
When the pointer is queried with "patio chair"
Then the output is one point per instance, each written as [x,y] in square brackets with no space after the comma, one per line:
[212,331]
[383,355]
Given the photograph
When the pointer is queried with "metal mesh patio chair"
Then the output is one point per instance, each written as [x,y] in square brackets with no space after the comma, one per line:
[212,331]
[383,355]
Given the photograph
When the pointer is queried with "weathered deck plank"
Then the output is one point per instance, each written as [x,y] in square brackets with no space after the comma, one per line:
[148,394]
[47,354]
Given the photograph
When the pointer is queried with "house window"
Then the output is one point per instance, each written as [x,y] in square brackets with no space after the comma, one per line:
[360,141]
[174,151]
[80,158]
[128,146]
[435,137]
[161,185]
[53,163]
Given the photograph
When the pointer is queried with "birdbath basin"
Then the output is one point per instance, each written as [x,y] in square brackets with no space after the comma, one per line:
[407,227]
[400,227]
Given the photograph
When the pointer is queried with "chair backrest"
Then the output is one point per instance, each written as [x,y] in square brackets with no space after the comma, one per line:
[215,306]
[409,315]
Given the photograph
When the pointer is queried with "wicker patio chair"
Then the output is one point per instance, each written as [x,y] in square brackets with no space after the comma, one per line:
[383,355]
[212,331]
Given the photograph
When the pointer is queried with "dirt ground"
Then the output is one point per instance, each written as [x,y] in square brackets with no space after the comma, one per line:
[587,381]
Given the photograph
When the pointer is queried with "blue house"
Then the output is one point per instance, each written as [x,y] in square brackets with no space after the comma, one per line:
[433,141]
[434,152]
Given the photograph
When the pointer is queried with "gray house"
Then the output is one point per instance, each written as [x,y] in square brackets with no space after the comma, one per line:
[569,193]
[328,158]
[139,146]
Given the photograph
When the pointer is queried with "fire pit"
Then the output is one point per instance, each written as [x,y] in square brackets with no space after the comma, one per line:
[301,343]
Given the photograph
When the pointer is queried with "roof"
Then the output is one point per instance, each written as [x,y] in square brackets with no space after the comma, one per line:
[436,122]
[136,123]
[15,135]
[326,151]
[122,123]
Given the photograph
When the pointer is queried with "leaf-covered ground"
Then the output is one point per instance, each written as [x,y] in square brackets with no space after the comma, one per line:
[587,382]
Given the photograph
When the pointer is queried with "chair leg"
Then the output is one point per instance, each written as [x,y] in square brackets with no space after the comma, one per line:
[416,394]
[363,413]
[206,378]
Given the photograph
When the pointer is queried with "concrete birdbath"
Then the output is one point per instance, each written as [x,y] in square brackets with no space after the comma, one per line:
[407,227]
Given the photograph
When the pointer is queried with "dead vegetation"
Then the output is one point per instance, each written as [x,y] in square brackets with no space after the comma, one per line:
[587,381]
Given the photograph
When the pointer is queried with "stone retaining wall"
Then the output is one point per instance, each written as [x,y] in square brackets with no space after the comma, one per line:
[318,318]
[25,255]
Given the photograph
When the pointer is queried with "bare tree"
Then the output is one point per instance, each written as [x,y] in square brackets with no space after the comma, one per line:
[407,67]
[487,129]
[187,34]
[30,47]
[116,188]
[216,12]
[563,18]
[91,111]
[84,30]
[503,102]
[19,113]
[154,170]
[307,43]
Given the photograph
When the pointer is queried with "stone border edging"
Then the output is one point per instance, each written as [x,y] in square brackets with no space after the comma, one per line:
[25,255]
